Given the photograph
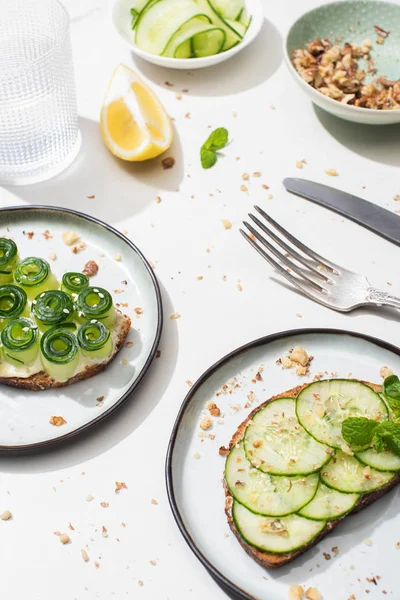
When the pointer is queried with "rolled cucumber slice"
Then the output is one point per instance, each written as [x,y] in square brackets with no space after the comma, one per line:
[237,26]
[276,443]
[346,474]
[275,535]
[265,494]
[245,18]
[158,24]
[228,9]
[191,31]
[329,504]
[382,461]
[184,50]
[208,42]
[323,406]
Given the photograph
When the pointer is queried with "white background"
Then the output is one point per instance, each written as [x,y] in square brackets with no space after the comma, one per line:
[47,492]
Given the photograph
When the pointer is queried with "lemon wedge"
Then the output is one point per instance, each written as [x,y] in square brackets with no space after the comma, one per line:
[133,122]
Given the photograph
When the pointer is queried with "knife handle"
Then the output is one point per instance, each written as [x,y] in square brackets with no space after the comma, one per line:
[379,298]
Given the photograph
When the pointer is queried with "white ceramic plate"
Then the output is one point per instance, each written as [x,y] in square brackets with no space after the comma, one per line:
[197,497]
[121,19]
[24,415]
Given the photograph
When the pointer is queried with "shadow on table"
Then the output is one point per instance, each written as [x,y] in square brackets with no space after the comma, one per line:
[378,143]
[121,188]
[119,425]
[248,69]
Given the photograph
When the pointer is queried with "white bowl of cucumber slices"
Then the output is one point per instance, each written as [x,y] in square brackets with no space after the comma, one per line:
[187,34]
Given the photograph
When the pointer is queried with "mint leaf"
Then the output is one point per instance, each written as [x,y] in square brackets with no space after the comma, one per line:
[208,158]
[358,431]
[215,141]
[391,391]
[387,437]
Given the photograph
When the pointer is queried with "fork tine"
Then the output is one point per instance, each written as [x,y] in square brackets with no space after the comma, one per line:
[289,250]
[307,251]
[279,268]
[283,258]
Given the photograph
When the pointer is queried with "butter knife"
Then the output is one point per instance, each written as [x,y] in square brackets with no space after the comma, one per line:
[369,215]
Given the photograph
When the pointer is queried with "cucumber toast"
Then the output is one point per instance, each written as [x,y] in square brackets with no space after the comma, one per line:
[290,476]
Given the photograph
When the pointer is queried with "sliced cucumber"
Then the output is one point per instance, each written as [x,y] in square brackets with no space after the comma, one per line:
[265,494]
[232,38]
[228,9]
[208,42]
[323,406]
[139,6]
[237,26]
[245,18]
[329,504]
[382,461]
[193,30]
[279,535]
[158,24]
[184,50]
[346,474]
[276,443]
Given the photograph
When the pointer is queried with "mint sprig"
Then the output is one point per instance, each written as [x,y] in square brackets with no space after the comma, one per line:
[387,437]
[358,431]
[217,140]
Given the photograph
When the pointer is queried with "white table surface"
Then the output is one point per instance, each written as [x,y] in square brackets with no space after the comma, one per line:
[48,491]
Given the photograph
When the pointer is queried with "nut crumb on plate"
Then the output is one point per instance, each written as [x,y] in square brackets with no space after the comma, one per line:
[313,594]
[5,515]
[154,501]
[168,162]
[52,256]
[175,315]
[117,257]
[89,498]
[331,172]
[296,592]
[226,223]
[138,310]
[105,504]
[57,421]
[206,423]
[120,485]
[385,372]
[64,538]
[196,455]
[104,531]
[70,237]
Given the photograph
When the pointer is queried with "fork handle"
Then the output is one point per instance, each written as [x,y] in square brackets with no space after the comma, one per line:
[379,298]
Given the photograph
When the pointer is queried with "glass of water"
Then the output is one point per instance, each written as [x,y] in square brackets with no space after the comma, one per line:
[39,133]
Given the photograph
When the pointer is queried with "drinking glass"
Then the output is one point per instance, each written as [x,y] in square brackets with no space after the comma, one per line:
[39,133]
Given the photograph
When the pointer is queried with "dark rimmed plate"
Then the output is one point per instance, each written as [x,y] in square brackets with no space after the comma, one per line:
[194,469]
[24,422]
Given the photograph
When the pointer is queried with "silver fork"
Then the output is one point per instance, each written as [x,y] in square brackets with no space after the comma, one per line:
[318,278]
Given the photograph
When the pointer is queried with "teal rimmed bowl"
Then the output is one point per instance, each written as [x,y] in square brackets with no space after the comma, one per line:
[353,20]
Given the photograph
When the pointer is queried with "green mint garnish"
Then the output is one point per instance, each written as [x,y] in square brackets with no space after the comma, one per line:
[387,437]
[216,141]
[358,431]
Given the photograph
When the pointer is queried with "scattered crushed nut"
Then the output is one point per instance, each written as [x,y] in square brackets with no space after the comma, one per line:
[331,172]
[368,542]
[397,198]
[120,485]
[52,256]
[327,556]
[64,538]
[382,34]
[117,257]
[214,410]
[245,176]
[153,501]
[5,515]
[78,247]
[239,286]
[313,594]
[175,315]
[105,504]
[296,592]
[222,451]
[30,234]
[335,550]
[205,423]
[346,449]
[138,310]
[286,362]
[196,455]
[385,372]
[85,555]
[168,162]
[91,268]
[89,498]
[70,237]
[244,188]
[57,421]
[299,355]
[226,223]
[367,472]
[104,531]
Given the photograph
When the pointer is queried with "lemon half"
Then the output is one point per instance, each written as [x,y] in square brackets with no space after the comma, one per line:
[133,122]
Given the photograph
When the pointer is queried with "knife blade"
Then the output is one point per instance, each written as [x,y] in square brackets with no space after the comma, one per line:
[369,215]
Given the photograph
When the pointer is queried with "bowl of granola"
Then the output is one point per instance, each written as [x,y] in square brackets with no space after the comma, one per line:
[346,57]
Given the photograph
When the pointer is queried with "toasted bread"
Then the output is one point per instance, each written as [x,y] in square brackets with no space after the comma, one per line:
[42,381]
[268,559]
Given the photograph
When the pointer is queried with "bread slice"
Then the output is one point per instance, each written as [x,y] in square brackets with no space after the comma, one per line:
[268,559]
[42,381]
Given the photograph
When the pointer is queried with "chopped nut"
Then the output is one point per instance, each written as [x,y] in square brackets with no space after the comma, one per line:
[105,504]
[89,498]
[117,257]
[70,237]
[239,286]
[153,562]
[286,362]
[120,485]
[175,315]
[46,234]
[140,582]
[214,410]
[256,174]
[313,594]
[243,188]
[368,542]
[222,451]
[346,449]
[91,268]
[57,421]
[257,443]
[78,247]
[5,515]
[331,172]
[335,550]
[104,531]
[85,555]
[52,256]
[296,592]
[397,198]
[153,501]
[327,556]
[205,423]
[127,345]
[245,176]
[138,310]
[385,372]
[299,164]
[64,538]
[300,370]
[226,223]
[299,355]
[196,455]
[158,199]
[367,472]
[168,162]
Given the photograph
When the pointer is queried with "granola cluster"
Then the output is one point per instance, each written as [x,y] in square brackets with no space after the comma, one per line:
[334,71]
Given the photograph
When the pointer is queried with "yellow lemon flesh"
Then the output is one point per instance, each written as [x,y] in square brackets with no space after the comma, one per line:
[133,122]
